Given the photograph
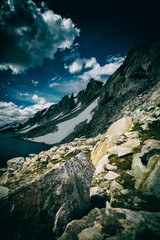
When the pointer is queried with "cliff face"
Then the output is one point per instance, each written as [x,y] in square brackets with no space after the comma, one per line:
[41,208]
[139,70]
[137,75]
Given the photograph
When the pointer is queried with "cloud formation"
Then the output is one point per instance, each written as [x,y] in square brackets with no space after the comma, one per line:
[29,34]
[53,85]
[95,71]
[10,112]
[89,68]
[76,66]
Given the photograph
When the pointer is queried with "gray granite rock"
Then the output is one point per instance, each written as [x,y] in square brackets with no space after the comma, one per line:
[41,209]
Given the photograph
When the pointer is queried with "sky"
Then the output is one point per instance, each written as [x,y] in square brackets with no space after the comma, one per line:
[52,48]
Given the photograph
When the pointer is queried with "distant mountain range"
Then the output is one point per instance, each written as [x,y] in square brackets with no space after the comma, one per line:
[92,110]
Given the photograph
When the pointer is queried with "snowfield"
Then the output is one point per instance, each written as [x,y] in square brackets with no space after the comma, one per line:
[67,127]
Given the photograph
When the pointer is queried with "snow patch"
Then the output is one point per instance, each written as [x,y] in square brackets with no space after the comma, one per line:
[75,100]
[59,115]
[45,111]
[28,128]
[77,108]
[67,127]
[10,126]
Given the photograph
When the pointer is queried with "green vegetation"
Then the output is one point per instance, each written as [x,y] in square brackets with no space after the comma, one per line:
[137,127]
[148,203]
[16,181]
[121,162]
[129,181]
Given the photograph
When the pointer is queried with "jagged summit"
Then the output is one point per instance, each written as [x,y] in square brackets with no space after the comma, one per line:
[60,120]
[139,70]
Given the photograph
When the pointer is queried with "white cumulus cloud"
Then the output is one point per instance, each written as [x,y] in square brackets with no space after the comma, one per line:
[95,71]
[10,112]
[76,66]
[90,62]
[89,68]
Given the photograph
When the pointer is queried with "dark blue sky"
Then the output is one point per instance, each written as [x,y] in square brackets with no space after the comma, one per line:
[49,50]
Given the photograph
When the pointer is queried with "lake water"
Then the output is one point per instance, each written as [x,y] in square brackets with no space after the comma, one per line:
[12,147]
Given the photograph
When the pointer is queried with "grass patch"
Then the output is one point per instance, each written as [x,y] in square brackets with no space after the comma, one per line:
[129,181]
[121,162]
[137,127]
[149,203]
[15,182]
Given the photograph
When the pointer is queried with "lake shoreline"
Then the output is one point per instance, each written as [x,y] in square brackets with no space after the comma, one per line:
[11,146]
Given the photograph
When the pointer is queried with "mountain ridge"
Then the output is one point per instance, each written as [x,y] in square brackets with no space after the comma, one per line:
[137,75]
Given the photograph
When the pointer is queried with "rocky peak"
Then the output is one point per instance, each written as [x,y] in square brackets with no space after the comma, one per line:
[93,88]
[67,104]
[93,85]
[139,70]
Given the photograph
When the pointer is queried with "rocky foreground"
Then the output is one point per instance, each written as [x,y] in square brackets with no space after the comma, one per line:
[115,195]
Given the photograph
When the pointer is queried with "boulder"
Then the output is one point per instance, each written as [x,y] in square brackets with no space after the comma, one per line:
[151,180]
[114,224]
[155,96]
[44,159]
[121,126]
[31,155]
[133,134]
[42,208]
[125,148]
[150,148]
[138,169]
[111,167]
[125,191]
[111,176]
[101,164]
[96,191]
[90,234]
[15,162]
[73,151]
[2,171]
[3,191]
[50,165]
[113,136]
[115,187]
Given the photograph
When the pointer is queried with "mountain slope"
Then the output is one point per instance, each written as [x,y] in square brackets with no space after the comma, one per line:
[54,124]
[137,75]
[122,92]
[13,126]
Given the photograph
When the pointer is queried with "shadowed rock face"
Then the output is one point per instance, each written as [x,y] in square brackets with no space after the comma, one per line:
[114,224]
[42,208]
